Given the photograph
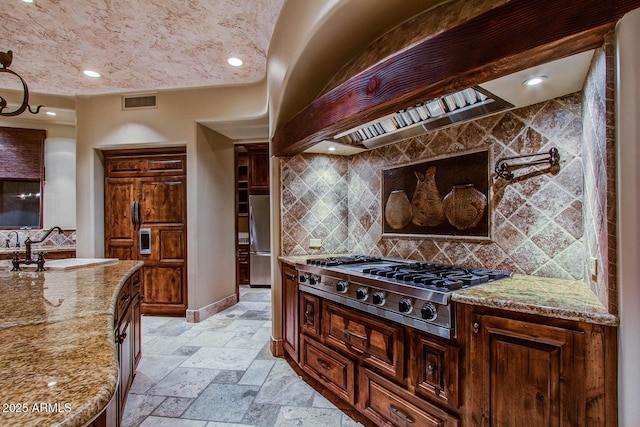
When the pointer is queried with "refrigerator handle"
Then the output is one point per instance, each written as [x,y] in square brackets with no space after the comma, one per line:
[133,214]
[252,227]
[138,214]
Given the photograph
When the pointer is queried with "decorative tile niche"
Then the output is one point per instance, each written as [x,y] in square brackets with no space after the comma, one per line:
[536,222]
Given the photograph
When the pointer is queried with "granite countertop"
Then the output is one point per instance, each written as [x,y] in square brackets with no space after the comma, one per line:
[59,365]
[35,249]
[558,298]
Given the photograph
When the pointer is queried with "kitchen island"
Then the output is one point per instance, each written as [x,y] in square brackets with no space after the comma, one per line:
[59,352]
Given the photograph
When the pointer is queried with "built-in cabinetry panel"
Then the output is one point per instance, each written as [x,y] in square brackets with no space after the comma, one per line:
[145,190]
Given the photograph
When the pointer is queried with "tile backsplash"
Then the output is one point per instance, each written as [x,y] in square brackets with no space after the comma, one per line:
[537,220]
[66,240]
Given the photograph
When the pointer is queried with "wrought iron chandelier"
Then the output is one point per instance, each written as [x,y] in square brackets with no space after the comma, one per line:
[5,62]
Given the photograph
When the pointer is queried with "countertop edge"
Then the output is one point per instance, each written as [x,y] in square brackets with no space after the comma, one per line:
[604,319]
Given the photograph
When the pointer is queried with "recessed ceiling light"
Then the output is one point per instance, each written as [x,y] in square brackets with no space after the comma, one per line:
[28,1]
[236,62]
[534,81]
[332,148]
[51,113]
[91,73]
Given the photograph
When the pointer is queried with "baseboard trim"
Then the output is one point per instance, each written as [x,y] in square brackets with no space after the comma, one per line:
[197,316]
[277,347]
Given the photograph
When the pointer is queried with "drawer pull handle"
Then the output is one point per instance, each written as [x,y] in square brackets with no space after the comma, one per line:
[476,327]
[431,369]
[397,413]
[323,364]
[290,276]
[352,334]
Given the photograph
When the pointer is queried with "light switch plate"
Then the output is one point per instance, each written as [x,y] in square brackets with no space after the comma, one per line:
[315,243]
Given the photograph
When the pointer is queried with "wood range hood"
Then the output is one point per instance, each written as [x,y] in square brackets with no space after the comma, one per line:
[500,42]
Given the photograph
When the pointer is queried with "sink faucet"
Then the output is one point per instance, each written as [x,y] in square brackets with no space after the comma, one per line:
[9,239]
[16,261]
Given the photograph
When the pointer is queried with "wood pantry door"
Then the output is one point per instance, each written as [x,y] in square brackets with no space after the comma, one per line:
[153,200]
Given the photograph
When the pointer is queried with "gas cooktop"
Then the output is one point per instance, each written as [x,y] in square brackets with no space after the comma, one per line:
[414,293]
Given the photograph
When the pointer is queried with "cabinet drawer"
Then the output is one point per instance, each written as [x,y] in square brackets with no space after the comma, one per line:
[388,405]
[135,283]
[378,344]
[434,369]
[333,370]
[309,314]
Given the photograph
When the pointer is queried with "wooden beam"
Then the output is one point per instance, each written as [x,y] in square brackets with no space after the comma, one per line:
[510,38]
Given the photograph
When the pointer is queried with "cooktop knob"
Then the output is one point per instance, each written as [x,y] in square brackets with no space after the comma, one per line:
[378,298]
[342,286]
[313,280]
[362,293]
[405,305]
[429,311]
[303,278]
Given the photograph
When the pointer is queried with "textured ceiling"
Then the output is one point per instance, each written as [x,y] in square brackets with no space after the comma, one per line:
[137,45]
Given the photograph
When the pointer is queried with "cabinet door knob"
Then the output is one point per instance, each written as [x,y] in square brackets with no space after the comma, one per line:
[476,327]
[431,369]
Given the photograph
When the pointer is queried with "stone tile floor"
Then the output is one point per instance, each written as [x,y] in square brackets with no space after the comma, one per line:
[220,372]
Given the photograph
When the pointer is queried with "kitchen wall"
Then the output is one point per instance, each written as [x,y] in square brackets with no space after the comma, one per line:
[537,222]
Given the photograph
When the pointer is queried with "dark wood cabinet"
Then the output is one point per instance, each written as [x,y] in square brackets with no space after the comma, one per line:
[290,332]
[145,191]
[526,373]
[128,340]
[310,315]
[258,171]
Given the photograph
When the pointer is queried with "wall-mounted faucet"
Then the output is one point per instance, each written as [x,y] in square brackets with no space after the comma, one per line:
[16,261]
[9,239]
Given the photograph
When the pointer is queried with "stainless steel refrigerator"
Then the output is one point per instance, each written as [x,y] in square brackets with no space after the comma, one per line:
[260,241]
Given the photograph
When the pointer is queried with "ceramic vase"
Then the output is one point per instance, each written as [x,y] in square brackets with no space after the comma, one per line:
[464,206]
[426,204]
[397,211]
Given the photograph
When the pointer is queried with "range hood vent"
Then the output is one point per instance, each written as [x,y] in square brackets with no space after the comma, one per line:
[437,113]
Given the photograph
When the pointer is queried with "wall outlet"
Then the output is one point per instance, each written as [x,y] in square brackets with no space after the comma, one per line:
[315,243]
[593,268]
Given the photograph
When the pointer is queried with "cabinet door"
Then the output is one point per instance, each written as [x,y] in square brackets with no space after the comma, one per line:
[136,319]
[259,172]
[290,331]
[434,368]
[526,374]
[120,233]
[124,340]
[309,314]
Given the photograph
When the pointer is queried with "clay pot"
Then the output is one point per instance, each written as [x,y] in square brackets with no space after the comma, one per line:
[464,206]
[426,203]
[397,211]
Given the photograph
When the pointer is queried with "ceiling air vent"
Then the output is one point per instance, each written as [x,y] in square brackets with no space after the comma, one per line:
[138,102]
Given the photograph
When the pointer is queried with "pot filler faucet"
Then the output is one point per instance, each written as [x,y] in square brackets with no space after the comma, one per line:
[16,261]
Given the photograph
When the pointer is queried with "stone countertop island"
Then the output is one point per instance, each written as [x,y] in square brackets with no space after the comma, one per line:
[59,363]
